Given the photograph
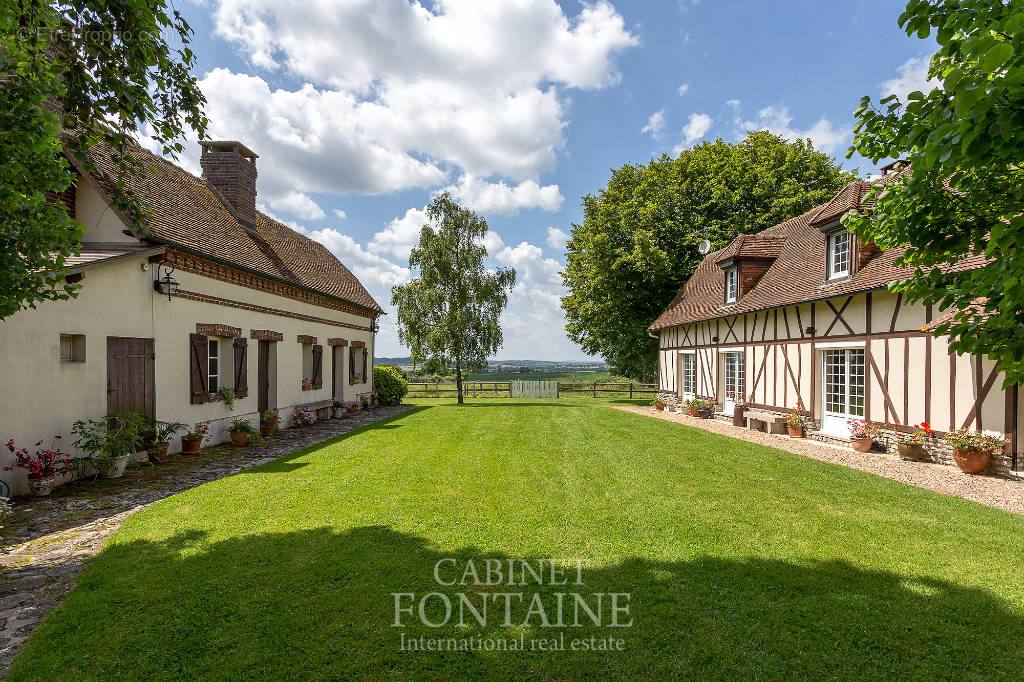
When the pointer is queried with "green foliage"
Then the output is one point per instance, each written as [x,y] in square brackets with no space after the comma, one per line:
[227,396]
[449,313]
[163,431]
[964,193]
[241,425]
[113,436]
[638,242]
[389,384]
[111,69]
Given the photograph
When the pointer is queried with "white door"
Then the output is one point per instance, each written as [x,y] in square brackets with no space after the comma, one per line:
[733,388]
[843,397]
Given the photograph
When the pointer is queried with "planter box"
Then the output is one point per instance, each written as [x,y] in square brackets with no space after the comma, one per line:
[795,430]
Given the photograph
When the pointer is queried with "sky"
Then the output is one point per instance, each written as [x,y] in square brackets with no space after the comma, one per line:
[362,111]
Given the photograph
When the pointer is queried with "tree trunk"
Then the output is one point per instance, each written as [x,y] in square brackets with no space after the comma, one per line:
[458,378]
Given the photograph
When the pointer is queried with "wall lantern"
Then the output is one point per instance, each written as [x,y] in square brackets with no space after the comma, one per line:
[166,285]
[374,326]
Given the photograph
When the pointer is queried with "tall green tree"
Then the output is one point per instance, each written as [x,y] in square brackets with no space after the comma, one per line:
[449,313]
[638,241]
[74,74]
[963,196]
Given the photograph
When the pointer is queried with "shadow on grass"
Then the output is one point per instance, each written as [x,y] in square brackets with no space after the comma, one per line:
[319,604]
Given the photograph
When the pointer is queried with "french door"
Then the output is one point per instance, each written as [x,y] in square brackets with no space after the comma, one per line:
[687,375]
[732,364]
[843,397]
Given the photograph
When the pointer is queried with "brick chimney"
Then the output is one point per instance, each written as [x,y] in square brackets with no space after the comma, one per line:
[231,168]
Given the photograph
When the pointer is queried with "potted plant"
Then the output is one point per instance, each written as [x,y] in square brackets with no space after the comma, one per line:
[972,450]
[307,384]
[364,402]
[691,405]
[795,421]
[43,466]
[111,441]
[241,432]
[191,441]
[706,407]
[160,434]
[351,406]
[911,445]
[862,434]
[337,408]
[658,404]
[374,399]
[303,417]
[269,420]
[227,396]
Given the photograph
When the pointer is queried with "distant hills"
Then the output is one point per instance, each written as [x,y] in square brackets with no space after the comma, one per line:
[517,365]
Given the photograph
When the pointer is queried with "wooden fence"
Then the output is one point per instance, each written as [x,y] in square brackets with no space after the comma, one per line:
[558,389]
[534,389]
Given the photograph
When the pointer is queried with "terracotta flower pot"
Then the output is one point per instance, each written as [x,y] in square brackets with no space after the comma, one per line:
[971,460]
[158,452]
[911,451]
[692,411]
[239,438]
[267,429]
[190,447]
[660,407]
[41,486]
[307,388]
[795,430]
[861,444]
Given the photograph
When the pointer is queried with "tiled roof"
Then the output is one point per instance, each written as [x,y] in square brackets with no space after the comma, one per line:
[96,255]
[755,246]
[187,212]
[796,276]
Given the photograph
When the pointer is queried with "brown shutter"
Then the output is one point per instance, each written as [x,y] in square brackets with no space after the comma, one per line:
[241,356]
[199,353]
[351,365]
[366,376]
[318,366]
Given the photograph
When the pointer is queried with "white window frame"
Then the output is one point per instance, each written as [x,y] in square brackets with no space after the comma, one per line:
[738,372]
[213,364]
[688,357]
[732,285]
[849,362]
[833,253]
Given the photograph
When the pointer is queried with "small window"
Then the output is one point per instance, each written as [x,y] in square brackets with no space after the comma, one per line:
[72,348]
[214,366]
[307,362]
[730,285]
[839,254]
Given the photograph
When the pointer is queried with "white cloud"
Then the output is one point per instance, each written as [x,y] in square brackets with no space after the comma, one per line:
[499,198]
[733,104]
[399,94]
[557,238]
[655,124]
[825,136]
[297,204]
[400,235]
[696,127]
[683,89]
[340,214]
[913,75]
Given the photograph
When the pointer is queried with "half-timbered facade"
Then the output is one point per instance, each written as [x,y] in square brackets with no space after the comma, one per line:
[258,308]
[800,314]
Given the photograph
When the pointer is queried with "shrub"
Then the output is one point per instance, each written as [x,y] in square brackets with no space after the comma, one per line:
[389,384]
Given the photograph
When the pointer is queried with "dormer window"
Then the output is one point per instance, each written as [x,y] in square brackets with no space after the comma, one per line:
[839,248]
[731,287]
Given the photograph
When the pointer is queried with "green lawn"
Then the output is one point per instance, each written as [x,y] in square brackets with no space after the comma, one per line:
[742,562]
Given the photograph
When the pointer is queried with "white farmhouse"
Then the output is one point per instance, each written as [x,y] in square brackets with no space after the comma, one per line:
[258,308]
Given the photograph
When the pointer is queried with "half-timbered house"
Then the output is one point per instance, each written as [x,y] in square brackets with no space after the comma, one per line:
[255,307]
[800,314]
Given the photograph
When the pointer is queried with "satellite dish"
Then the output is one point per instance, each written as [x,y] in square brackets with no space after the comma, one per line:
[704,248]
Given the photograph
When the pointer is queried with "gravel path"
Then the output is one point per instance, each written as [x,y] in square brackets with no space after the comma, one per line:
[1003,493]
[47,540]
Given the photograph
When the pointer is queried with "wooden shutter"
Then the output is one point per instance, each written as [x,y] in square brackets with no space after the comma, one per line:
[318,366]
[351,365]
[199,354]
[366,376]
[241,356]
